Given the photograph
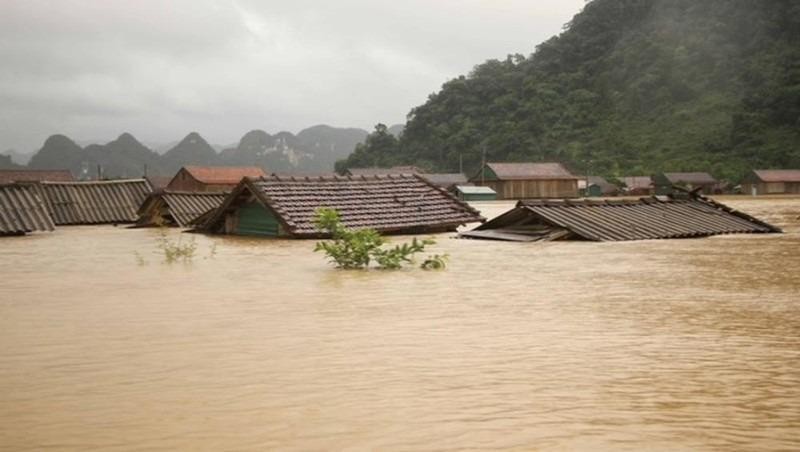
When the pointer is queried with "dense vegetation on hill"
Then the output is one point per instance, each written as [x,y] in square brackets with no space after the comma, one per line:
[313,149]
[630,87]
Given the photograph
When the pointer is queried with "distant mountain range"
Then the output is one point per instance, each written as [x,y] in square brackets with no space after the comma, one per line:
[314,149]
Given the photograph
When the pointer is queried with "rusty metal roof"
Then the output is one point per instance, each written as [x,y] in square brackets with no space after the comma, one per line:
[22,210]
[9,176]
[617,220]
[778,175]
[223,175]
[530,171]
[690,178]
[178,207]
[94,202]
[390,204]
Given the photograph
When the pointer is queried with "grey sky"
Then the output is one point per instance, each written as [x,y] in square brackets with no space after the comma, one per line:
[159,69]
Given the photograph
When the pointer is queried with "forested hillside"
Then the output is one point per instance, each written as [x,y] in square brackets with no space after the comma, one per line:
[630,87]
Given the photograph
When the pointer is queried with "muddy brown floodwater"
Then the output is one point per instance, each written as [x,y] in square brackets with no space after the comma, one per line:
[258,344]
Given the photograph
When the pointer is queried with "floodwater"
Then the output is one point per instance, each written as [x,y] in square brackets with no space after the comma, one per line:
[259,344]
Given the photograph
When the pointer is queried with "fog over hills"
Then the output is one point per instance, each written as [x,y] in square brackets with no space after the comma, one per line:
[313,149]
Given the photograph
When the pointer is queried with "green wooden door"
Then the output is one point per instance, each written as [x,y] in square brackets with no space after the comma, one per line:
[254,219]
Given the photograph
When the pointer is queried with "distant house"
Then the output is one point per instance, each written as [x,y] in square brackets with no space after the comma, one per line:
[637,185]
[375,171]
[664,182]
[285,207]
[10,176]
[770,182]
[528,180]
[475,193]
[211,178]
[448,181]
[618,220]
[94,202]
[598,186]
[177,208]
[22,210]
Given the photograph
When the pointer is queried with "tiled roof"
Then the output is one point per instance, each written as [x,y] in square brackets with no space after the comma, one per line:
[690,178]
[94,202]
[530,171]
[647,218]
[391,203]
[445,180]
[9,176]
[183,207]
[22,210]
[223,175]
[778,175]
[384,171]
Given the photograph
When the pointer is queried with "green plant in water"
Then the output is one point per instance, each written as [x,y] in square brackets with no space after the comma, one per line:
[175,250]
[349,249]
[435,262]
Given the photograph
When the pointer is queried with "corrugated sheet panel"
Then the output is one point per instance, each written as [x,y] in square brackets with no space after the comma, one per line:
[22,210]
[648,218]
[94,202]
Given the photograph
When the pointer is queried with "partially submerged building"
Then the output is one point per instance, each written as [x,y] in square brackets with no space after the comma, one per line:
[12,176]
[528,180]
[596,186]
[447,181]
[637,185]
[771,182]
[475,193]
[177,208]
[286,207]
[211,178]
[665,182]
[618,220]
[22,210]
[94,202]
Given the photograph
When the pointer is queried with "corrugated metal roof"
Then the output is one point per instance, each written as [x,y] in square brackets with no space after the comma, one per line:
[475,190]
[94,202]
[778,175]
[617,220]
[530,171]
[690,178]
[22,210]
[223,175]
[10,176]
[182,207]
[392,203]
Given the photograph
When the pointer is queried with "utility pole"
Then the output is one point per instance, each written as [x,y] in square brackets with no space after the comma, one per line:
[483,163]
[461,163]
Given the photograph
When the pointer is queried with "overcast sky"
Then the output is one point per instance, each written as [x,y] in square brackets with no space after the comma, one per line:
[159,69]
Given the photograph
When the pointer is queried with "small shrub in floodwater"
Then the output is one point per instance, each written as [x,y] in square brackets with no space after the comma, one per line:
[175,250]
[356,249]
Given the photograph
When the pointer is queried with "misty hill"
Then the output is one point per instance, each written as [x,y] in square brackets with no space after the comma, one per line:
[7,163]
[313,149]
[18,158]
[630,86]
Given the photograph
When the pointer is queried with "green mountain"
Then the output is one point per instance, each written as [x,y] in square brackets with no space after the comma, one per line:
[60,152]
[630,87]
[192,149]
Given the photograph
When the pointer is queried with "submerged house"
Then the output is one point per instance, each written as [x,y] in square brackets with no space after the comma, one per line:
[475,193]
[447,181]
[285,207]
[664,182]
[771,182]
[211,178]
[528,180]
[618,220]
[22,210]
[11,176]
[596,186]
[177,208]
[94,202]
[637,185]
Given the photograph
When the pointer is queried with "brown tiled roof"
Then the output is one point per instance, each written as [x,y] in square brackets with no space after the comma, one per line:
[389,204]
[223,175]
[778,175]
[22,210]
[94,202]
[617,220]
[690,178]
[530,171]
[183,207]
[445,180]
[9,176]
[384,171]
